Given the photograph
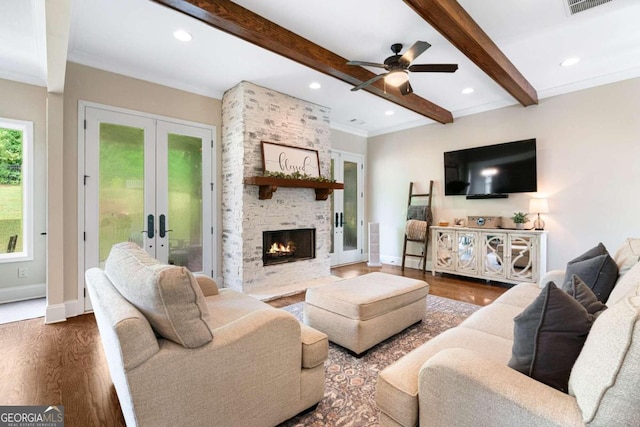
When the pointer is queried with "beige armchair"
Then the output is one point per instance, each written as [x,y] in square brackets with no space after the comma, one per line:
[235,362]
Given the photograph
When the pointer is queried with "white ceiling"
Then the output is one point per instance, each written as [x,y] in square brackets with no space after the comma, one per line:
[134,38]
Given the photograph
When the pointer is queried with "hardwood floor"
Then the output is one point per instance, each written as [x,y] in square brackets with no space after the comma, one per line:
[64,363]
[453,287]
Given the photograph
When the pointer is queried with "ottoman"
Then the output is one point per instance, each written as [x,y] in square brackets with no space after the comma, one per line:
[361,312]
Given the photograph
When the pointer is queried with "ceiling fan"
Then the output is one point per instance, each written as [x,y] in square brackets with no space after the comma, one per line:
[398,67]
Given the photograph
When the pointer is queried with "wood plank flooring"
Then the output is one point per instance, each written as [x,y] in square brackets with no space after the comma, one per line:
[64,363]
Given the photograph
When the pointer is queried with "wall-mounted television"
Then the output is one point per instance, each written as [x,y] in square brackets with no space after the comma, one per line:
[491,171]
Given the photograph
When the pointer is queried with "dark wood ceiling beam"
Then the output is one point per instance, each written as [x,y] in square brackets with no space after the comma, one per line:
[232,18]
[454,23]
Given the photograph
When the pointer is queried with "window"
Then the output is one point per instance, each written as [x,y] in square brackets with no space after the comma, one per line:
[16,192]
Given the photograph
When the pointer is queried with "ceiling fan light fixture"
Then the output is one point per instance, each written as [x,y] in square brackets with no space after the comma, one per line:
[396,78]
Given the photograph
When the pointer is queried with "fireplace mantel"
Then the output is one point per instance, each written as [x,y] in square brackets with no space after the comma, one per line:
[268,185]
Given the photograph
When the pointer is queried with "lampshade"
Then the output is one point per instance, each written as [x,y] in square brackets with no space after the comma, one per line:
[539,206]
[396,78]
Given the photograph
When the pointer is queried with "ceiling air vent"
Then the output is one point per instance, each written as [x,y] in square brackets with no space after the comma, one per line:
[576,6]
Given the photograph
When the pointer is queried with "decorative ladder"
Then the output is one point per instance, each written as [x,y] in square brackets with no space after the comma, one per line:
[425,241]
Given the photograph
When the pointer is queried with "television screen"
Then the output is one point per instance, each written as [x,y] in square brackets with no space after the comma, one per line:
[492,170]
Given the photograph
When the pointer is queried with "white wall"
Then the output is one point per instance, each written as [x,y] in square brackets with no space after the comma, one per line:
[588,166]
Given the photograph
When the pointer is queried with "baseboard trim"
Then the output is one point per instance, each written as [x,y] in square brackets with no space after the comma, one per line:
[409,263]
[55,313]
[24,292]
[73,308]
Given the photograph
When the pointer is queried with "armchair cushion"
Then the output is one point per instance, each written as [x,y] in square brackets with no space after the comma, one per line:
[168,296]
[597,269]
[548,337]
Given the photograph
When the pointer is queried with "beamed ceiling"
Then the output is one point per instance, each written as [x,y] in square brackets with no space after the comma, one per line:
[446,16]
[503,49]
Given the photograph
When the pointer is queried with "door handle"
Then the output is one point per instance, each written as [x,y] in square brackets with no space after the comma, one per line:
[341,220]
[163,224]
[336,219]
[150,227]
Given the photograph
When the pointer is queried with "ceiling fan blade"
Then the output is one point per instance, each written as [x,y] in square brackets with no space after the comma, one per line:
[367,64]
[433,68]
[368,82]
[414,51]
[406,88]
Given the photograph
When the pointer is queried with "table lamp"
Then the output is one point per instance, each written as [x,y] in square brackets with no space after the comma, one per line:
[538,206]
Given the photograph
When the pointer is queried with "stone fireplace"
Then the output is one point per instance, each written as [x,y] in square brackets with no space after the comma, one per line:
[252,114]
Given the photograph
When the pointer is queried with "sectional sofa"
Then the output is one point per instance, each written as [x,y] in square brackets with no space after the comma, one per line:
[462,377]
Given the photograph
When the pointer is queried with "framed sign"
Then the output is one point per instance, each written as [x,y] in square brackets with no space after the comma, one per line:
[288,160]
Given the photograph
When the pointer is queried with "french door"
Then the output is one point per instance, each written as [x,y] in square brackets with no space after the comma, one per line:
[148,181]
[348,208]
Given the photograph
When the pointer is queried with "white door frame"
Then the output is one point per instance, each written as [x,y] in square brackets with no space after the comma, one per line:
[82,304]
[339,258]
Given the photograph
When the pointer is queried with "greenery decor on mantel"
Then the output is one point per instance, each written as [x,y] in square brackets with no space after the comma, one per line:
[519,218]
[270,182]
[297,175]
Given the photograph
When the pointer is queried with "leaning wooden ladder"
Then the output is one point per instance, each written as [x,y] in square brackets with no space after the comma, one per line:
[410,236]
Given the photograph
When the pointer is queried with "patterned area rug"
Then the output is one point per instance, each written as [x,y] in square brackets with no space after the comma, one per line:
[350,382]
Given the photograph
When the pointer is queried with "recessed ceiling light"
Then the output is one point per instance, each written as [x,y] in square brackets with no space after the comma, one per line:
[467,90]
[182,35]
[570,61]
[389,113]
[315,85]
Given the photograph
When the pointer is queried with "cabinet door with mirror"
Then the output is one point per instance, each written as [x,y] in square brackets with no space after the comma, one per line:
[493,255]
[444,259]
[467,259]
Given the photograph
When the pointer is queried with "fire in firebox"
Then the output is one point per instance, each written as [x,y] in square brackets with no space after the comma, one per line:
[279,249]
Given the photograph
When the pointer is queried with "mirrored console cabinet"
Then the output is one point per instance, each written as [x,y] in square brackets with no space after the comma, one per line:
[509,256]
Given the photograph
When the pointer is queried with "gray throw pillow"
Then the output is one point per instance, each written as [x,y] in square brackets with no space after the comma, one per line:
[548,337]
[585,296]
[597,270]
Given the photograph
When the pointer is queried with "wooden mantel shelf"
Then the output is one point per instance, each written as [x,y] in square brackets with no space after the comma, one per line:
[268,185]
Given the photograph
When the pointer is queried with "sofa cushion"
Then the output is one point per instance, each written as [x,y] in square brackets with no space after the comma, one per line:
[548,337]
[628,255]
[604,379]
[168,296]
[521,295]
[397,386]
[585,296]
[597,269]
[627,286]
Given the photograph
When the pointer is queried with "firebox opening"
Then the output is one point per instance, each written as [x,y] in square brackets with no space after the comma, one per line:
[282,246]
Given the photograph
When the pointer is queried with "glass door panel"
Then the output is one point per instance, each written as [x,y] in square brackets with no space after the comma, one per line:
[350,208]
[347,209]
[334,213]
[185,201]
[121,187]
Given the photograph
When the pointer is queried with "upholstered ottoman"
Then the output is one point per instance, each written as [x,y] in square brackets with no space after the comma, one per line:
[361,312]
